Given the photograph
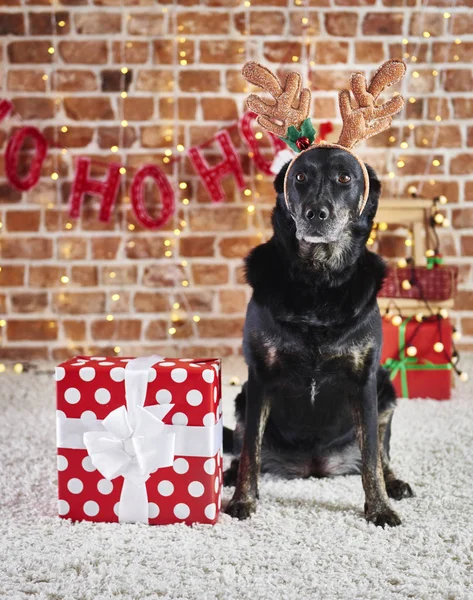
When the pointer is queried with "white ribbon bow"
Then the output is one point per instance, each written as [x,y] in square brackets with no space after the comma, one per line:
[134,443]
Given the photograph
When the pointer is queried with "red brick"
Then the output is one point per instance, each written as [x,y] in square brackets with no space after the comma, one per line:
[458,80]
[74,137]
[45,276]
[41,23]
[83,52]
[23,220]
[462,217]
[160,275]
[196,246]
[199,81]
[341,23]
[156,80]
[329,52]
[221,51]
[84,276]
[138,109]
[31,248]
[210,274]
[71,248]
[8,194]
[150,247]
[31,330]
[282,52]
[26,52]
[444,136]
[464,300]
[148,24]
[34,108]
[29,302]
[463,107]
[90,109]
[238,247]
[12,24]
[98,23]
[259,24]
[133,52]
[120,329]
[216,219]
[311,28]
[388,23]
[221,328]
[225,108]
[105,247]
[461,164]
[11,276]
[73,80]
[186,108]
[157,330]
[163,51]
[466,242]
[24,353]
[78,303]
[461,24]
[151,302]
[25,80]
[424,21]
[232,301]
[74,330]
[195,23]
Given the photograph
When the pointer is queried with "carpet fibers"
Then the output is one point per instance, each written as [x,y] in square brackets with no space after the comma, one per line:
[308,539]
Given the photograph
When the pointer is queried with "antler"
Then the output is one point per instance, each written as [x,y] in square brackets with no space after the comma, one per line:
[367,119]
[291,105]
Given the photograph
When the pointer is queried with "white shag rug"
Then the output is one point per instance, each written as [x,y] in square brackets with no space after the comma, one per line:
[308,539]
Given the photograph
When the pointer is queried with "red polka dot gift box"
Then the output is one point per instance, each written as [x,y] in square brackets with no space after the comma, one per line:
[139,439]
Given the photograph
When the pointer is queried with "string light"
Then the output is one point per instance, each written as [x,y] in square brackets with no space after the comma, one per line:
[64,279]
[51,50]
[196,318]
[68,225]
[114,148]
[443,312]
[176,305]
[122,170]
[436,162]
[109,318]
[115,297]
[54,176]
[406,284]
[463,376]
[419,317]
[117,349]
[456,336]
[18,368]
[2,368]
[411,351]
[131,227]
[396,320]
[251,208]
[2,322]
[247,192]
[124,123]
[172,330]
[426,34]
[402,263]
[112,274]
[64,129]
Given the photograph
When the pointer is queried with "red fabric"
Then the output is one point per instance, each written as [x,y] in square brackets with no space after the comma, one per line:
[246,130]
[205,470]
[12,156]
[211,176]
[430,383]
[439,283]
[138,201]
[82,184]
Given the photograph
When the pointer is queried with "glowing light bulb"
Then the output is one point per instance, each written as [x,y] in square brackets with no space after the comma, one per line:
[415,74]
[438,347]
[112,274]
[456,336]
[18,368]
[383,226]
[176,305]
[109,317]
[123,94]
[402,263]
[122,170]
[258,135]
[64,279]
[185,283]
[439,218]
[117,349]
[443,312]
[183,185]
[404,145]
[463,376]
[131,227]
[436,162]
[54,176]
[426,34]
[2,368]
[406,284]
[64,129]
[401,164]
[115,297]
[185,201]
[114,148]
[411,351]
[396,320]
[167,242]
[172,330]
[124,123]
[180,148]
[51,50]
[251,208]
[443,199]
[168,253]
[196,318]
[419,317]
[124,70]
[2,322]
[438,118]
[247,192]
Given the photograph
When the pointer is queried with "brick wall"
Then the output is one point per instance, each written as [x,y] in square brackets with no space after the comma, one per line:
[60,279]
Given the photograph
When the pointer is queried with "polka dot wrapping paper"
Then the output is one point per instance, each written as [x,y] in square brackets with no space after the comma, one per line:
[187,491]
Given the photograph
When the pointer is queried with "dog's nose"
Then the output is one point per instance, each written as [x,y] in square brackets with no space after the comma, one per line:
[322,214]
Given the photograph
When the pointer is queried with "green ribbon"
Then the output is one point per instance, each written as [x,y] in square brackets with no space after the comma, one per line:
[408,363]
[293,134]
[434,260]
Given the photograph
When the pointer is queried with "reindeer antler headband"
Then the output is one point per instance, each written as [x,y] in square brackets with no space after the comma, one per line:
[288,117]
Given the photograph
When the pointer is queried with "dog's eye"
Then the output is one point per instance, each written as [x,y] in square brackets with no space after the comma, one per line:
[344,178]
[300,177]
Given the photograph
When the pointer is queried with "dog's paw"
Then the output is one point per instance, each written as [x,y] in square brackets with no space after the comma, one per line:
[240,509]
[383,517]
[398,489]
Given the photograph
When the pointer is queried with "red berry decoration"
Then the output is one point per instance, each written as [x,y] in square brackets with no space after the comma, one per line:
[302,143]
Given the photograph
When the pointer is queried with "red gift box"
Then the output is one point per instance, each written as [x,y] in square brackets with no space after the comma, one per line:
[139,440]
[427,374]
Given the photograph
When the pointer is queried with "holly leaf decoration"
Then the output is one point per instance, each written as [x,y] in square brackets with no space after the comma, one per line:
[293,134]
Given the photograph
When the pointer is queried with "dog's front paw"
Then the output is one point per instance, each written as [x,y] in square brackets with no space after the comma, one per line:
[240,509]
[382,517]
[398,489]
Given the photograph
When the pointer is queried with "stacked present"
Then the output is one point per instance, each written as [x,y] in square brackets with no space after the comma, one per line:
[139,440]
[419,356]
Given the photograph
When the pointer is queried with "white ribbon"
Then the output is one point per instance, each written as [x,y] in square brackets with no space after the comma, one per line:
[133,441]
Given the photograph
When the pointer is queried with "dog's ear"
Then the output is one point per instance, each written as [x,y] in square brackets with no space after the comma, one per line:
[279,180]
[374,194]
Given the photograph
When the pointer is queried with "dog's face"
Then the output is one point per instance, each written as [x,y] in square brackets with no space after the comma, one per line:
[324,188]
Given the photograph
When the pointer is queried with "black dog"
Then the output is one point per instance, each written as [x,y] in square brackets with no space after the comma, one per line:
[317,402]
